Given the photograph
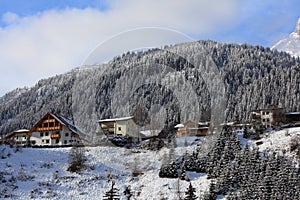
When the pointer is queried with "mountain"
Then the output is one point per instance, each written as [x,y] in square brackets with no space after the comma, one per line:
[291,44]
[201,80]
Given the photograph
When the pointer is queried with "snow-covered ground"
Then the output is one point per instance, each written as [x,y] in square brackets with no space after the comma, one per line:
[42,173]
[276,141]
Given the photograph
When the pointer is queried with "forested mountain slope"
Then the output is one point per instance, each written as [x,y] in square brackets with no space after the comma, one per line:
[200,80]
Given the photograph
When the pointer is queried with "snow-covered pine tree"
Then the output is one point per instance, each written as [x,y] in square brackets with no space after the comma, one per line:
[128,193]
[190,193]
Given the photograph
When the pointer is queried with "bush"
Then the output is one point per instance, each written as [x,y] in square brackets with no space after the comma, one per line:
[168,171]
[295,143]
[77,159]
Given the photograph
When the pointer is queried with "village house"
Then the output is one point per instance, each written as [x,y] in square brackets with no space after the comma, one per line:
[19,137]
[192,128]
[54,130]
[124,126]
[268,118]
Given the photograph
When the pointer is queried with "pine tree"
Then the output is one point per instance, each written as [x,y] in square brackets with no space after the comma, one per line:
[112,194]
[190,193]
[127,192]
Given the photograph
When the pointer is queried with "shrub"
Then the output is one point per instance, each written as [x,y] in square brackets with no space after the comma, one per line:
[77,159]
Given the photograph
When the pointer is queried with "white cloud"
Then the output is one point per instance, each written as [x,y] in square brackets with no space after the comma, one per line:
[10,18]
[55,41]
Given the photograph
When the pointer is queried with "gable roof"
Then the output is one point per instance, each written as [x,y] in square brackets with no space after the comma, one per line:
[68,123]
[61,119]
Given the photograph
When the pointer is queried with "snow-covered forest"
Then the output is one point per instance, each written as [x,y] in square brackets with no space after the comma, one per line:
[199,80]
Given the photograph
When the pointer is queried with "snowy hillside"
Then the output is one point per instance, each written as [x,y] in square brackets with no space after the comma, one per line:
[277,141]
[291,44]
[42,173]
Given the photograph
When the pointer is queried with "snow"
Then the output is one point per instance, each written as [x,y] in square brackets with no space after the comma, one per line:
[42,173]
[179,126]
[149,133]
[21,131]
[292,113]
[116,119]
[276,141]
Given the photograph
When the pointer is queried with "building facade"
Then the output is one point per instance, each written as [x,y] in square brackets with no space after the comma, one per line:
[124,126]
[268,118]
[54,130]
[192,128]
[19,137]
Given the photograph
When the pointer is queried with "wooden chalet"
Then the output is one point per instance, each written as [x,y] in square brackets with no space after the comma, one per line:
[54,130]
[192,128]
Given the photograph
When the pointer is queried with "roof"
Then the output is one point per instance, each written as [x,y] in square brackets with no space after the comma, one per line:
[21,131]
[228,124]
[203,123]
[115,119]
[62,120]
[9,135]
[292,113]
[179,126]
[67,122]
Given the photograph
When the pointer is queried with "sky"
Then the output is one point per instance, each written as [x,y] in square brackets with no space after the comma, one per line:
[42,38]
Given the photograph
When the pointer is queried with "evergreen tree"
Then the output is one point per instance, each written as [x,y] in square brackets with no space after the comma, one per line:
[112,194]
[190,193]
[128,193]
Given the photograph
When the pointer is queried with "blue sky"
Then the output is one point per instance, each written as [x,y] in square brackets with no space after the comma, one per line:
[41,38]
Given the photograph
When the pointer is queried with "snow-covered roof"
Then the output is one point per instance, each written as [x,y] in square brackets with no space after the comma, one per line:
[179,126]
[227,124]
[67,122]
[292,113]
[21,131]
[16,132]
[115,119]
[203,123]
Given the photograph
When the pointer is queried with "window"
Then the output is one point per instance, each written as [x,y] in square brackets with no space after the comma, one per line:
[47,141]
[267,113]
[65,142]
[46,133]
[57,141]
[66,134]
[70,141]
[268,120]
[264,120]
[42,134]
[43,141]
[119,128]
